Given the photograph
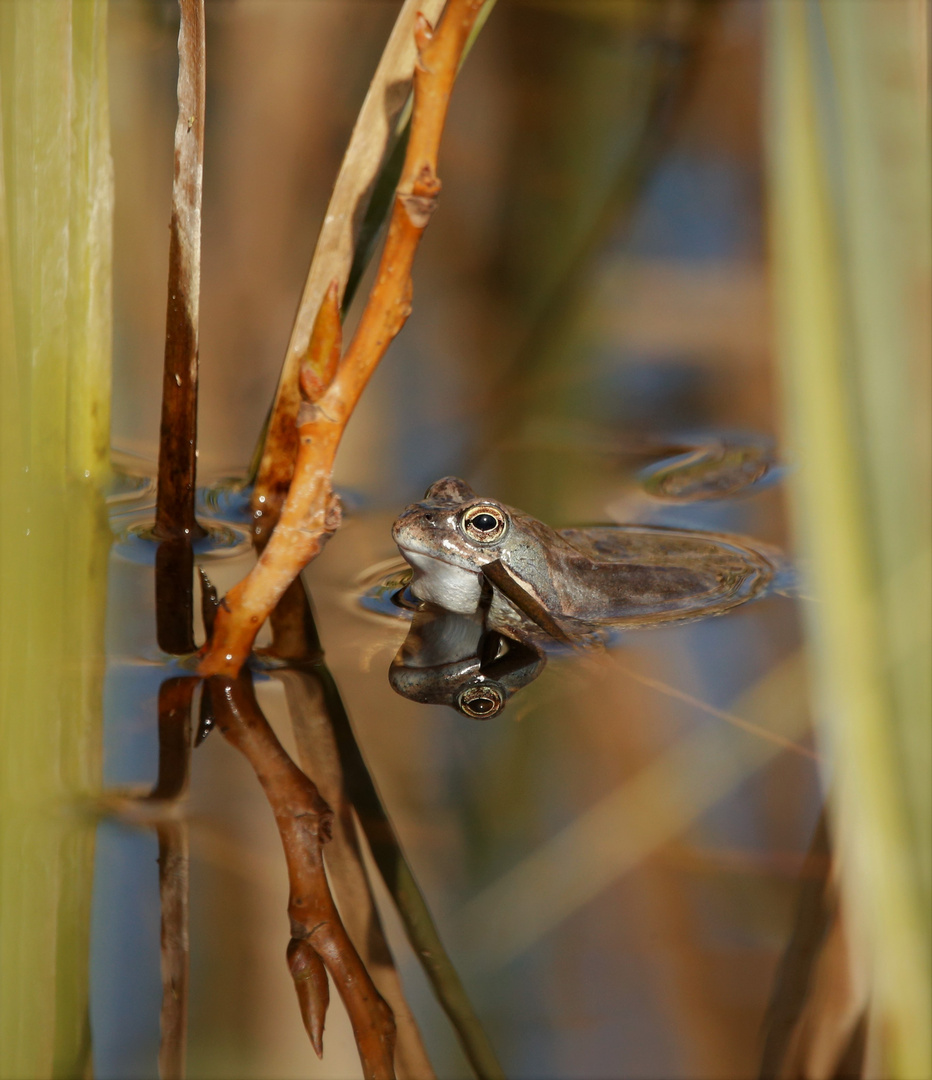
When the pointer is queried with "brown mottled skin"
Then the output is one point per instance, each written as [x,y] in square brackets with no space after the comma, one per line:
[613,574]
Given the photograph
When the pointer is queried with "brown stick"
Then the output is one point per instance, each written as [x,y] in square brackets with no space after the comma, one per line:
[304,820]
[310,513]
[177,442]
[175,524]
[174,599]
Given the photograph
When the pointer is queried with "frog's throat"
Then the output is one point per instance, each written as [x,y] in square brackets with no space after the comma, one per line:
[455,588]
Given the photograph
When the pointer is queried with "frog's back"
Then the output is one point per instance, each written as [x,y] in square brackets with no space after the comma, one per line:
[639,575]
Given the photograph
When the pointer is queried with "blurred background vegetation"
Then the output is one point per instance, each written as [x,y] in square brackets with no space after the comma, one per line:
[659,217]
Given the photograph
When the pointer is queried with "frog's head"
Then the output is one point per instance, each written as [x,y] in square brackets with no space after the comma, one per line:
[448,537]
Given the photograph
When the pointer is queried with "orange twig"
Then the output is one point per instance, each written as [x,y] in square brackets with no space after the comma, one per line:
[311,513]
[368,148]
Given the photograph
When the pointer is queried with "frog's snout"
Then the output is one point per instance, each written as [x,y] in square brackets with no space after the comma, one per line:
[410,516]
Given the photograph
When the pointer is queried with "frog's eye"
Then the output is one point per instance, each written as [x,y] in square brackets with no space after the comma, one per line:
[481,702]
[484,523]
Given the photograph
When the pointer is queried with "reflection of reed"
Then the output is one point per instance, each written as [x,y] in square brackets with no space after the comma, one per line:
[816,1023]
[174,893]
[176,697]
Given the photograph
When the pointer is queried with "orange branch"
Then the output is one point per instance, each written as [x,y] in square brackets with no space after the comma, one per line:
[366,153]
[311,512]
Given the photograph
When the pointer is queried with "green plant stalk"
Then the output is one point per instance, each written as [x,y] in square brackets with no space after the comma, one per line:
[55,311]
[851,219]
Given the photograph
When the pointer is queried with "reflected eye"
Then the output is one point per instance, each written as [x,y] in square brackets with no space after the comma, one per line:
[481,702]
[484,524]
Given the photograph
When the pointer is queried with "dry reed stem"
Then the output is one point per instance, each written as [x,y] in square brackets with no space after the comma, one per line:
[174,515]
[319,939]
[175,523]
[311,513]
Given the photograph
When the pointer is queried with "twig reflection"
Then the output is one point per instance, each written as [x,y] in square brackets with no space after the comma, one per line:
[319,938]
[176,699]
[330,753]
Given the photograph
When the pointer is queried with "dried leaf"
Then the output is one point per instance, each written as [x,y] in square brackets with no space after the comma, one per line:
[319,363]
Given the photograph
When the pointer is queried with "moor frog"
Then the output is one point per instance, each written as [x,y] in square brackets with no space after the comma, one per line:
[470,553]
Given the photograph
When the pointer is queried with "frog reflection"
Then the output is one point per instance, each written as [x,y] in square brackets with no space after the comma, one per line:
[452,659]
[475,555]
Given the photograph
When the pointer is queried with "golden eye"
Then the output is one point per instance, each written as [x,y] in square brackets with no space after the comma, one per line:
[484,523]
[481,702]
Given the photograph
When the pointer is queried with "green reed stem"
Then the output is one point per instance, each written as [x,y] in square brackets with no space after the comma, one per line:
[851,226]
[56,200]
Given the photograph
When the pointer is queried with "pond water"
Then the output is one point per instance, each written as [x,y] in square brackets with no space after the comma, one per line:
[612,859]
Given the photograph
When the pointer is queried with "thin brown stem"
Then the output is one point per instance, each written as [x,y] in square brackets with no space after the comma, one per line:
[178,435]
[175,523]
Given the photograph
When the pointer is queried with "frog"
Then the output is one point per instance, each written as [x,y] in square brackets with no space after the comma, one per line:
[470,553]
